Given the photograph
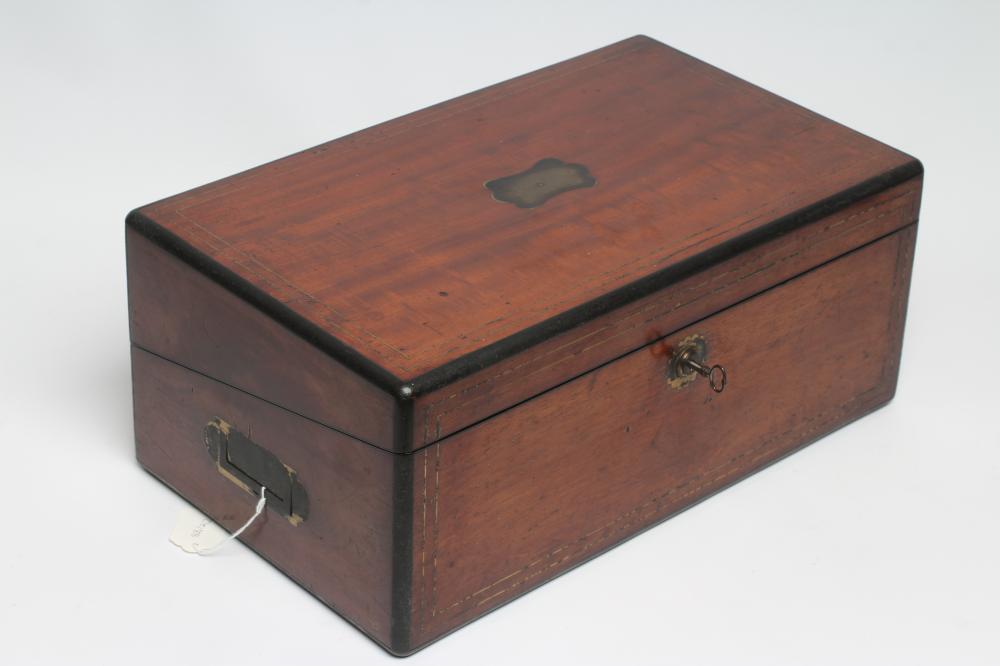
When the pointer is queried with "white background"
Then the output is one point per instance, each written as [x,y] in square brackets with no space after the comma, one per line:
[877,545]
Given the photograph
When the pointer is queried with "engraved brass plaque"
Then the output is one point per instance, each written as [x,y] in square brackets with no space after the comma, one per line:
[535,186]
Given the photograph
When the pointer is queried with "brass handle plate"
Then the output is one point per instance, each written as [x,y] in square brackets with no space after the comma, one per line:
[250,466]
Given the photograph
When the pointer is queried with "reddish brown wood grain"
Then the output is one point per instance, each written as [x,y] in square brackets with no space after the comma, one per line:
[503,506]
[342,553]
[518,377]
[453,377]
[388,241]
[180,314]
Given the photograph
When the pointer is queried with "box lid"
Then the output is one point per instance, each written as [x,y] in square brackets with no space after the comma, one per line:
[428,248]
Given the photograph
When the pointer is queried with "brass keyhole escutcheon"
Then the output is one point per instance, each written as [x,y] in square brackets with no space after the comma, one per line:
[689,362]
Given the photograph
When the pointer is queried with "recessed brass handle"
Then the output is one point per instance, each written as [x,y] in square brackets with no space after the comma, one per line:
[689,361]
[251,467]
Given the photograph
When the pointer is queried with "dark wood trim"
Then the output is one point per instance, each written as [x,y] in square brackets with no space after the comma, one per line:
[400,634]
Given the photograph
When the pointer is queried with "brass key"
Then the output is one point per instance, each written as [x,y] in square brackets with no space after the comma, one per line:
[689,361]
[716,374]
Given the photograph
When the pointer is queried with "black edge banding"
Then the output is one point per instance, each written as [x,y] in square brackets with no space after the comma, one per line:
[518,342]
[402,554]
[400,640]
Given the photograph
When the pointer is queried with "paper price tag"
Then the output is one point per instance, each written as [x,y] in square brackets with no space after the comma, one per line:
[195,533]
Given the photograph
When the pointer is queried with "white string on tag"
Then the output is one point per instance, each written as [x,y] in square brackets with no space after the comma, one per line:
[257,512]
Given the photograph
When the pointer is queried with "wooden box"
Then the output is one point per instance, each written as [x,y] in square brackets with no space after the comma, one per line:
[464,349]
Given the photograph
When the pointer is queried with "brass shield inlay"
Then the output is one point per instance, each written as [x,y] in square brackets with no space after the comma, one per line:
[535,186]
